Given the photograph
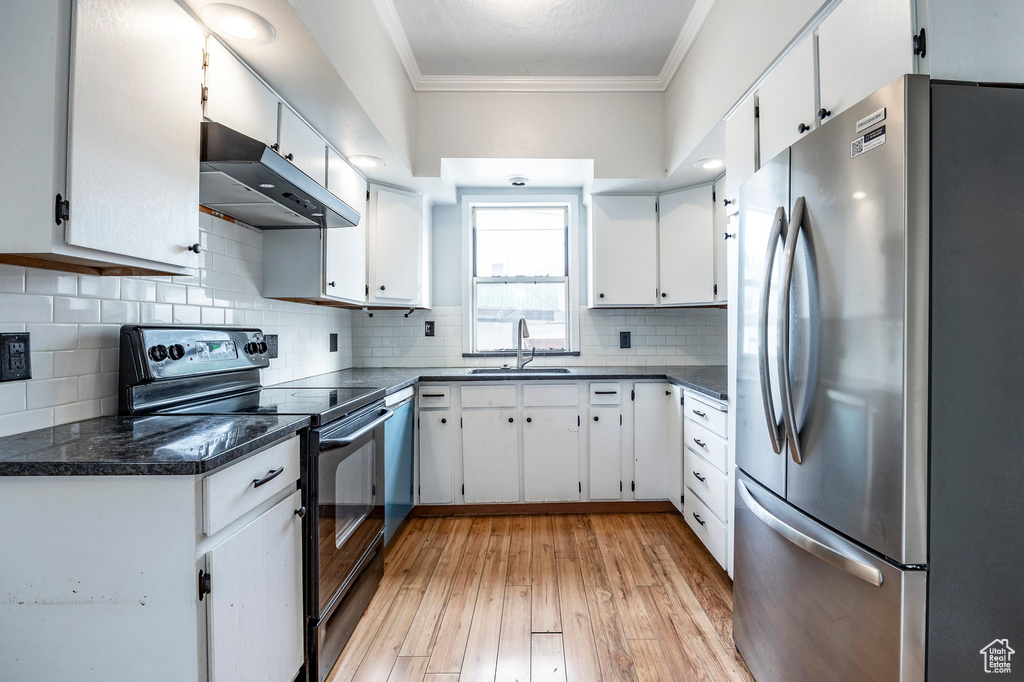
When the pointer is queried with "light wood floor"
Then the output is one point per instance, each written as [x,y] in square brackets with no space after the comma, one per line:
[573,598]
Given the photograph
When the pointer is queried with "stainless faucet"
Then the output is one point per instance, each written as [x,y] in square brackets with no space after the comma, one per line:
[523,333]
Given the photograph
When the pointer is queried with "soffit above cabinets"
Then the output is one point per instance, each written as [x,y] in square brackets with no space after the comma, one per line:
[542,45]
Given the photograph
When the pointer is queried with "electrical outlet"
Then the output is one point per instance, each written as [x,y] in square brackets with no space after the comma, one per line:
[428,328]
[334,343]
[625,340]
[271,340]
[15,357]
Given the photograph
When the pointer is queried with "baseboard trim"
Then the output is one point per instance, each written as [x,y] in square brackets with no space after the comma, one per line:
[628,507]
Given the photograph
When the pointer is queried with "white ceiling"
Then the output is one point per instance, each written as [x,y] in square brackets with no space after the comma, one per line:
[569,38]
[495,172]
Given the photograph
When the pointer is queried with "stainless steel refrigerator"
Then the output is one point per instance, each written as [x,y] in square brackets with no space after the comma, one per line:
[879,437]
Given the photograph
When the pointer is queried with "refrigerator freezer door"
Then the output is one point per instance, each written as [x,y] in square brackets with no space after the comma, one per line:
[852,316]
[757,391]
[807,606]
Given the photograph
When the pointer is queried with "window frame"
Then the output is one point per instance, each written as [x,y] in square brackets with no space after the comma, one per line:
[570,203]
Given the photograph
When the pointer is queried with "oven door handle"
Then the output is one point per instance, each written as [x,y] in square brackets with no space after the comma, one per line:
[334,443]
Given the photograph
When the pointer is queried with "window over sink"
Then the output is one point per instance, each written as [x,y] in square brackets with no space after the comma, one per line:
[520,265]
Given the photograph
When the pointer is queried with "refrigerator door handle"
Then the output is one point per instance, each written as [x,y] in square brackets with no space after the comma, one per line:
[857,569]
[772,420]
[785,381]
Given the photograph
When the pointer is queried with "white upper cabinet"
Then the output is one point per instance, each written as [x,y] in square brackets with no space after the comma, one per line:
[396,243]
[722,239]
[624,247]
[345,249]
[786,101]
[236,98]
[862,46]
[740,151]
[303,146]
[346,183]
[686,248]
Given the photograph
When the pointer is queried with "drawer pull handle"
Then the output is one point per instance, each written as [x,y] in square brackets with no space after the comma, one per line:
[699,414]
[606,392]
[301,512]
[271,475]
[432,395]
[698,476]
[701,443]
[699,520]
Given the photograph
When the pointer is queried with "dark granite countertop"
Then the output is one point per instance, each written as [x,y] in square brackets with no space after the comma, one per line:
[710,380]
[128,446]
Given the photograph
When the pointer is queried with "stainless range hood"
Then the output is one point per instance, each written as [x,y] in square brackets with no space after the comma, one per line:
[247,180]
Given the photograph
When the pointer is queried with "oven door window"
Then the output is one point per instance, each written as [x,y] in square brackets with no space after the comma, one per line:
[350,514]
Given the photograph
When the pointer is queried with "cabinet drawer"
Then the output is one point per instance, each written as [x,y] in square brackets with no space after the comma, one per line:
[708,483]
[705,414]
[605,394]
[707,527]
[230,493]
[430,395]
[489,396]
[559,395]
[707,445]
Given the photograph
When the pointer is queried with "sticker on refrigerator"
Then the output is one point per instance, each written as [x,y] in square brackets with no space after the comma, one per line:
[871,120]
[867,142]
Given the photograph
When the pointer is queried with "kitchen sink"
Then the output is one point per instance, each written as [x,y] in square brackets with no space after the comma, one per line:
[524,370]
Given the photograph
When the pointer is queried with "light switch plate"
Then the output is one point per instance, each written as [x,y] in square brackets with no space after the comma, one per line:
[625,340]
[428,328]
[334,343]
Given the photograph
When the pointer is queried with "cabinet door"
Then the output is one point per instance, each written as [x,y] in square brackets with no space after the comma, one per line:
[624,247]
[436,459]
[863,45]
[686,246]
[133,141]
[740,150]
[237,98]
[301,145]
[490,455]
[255,605]
[676,451]
[786,101]
[551,455]
[396,243]
[721,247]
[650,440]
[346,183]
[605,453]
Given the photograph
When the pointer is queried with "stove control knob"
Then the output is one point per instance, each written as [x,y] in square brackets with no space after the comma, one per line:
[177,351]
[263,347]
[158,353]
[250,348]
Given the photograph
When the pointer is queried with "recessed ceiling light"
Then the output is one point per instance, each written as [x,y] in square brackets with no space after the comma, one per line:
[859,195]
[518,180]
[366,161]
[709,164]
[266,185]
[237,23]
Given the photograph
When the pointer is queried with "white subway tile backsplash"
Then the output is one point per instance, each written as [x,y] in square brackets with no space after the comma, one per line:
[95,286]
[50,392]
[83,310]
[119,312]
[53,336]
[170,293]
[49,282]
[12,397]
[135,289]
[12,279]
[18,422]
[21,309]
[68,363]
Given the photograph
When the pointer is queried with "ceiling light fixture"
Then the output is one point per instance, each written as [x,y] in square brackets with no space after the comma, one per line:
[237,23]
[518,180]
[709,164]
[366,161]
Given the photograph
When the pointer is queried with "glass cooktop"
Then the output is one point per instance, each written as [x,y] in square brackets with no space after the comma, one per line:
[322,405]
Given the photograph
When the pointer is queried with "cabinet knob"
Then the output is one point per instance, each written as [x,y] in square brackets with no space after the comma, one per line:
[729,236]
[444,421]
[663,294]
[196,248]
[529,420]
[290,157]
[803,128]
[510,420]
[596,418]
[276,147]
[601,295]
[823,113]
[668,392]
[728,202]
[301,512]
[382,287]
[331,284]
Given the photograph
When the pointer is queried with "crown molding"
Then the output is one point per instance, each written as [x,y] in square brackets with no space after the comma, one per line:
[421,83]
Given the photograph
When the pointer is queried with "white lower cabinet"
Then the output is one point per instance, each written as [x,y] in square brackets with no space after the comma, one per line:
[675,450]
[490,455]
[708,474]
[255,611]
[551,454]
[605,426]
[651,413]
[435,456]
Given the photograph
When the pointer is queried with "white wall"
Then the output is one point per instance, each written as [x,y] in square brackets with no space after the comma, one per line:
[74,322]
[622,132]
[737,43]
[976,41]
